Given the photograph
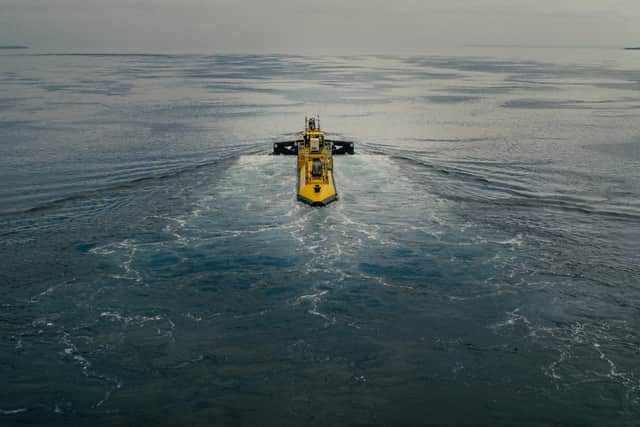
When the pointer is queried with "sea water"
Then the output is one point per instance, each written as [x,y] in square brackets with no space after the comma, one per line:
[481,266]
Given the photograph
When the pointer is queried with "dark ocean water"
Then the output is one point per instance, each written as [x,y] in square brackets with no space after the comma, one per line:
[481,267]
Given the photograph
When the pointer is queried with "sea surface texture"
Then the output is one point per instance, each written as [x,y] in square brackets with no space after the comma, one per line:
[481,266]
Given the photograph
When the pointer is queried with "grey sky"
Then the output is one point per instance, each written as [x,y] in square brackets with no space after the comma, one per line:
[300,25]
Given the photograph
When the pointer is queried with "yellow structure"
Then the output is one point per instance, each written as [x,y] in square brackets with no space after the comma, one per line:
[315,162]
[315,166]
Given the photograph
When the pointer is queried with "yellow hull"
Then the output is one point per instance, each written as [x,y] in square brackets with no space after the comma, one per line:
[315,164]
[316,192]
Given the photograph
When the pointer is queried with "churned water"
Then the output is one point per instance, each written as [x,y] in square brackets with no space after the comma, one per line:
[481,267]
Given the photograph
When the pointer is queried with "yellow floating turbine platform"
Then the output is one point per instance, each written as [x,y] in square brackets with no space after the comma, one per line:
[316,185]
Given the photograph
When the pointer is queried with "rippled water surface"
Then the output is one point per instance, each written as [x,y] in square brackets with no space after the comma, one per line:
[481,266]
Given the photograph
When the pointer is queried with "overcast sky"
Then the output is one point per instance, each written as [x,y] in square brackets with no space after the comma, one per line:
[301,25]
